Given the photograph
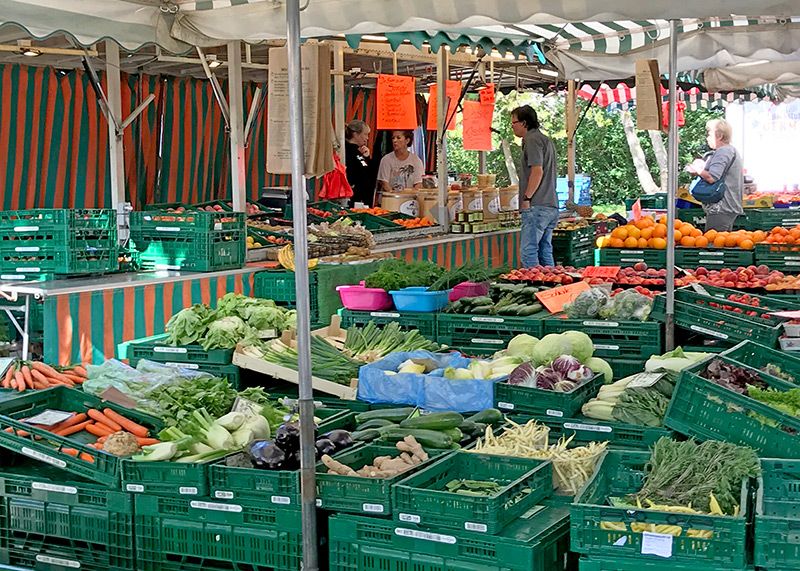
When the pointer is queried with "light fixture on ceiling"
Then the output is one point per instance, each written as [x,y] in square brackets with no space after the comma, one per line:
[30,52]
[213,62]
[548,72]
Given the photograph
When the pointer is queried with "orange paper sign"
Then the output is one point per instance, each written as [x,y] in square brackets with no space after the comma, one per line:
[487,94]
[397,106]
[636,209]
[601,271]
[453,92]
[555,299]
[477,126]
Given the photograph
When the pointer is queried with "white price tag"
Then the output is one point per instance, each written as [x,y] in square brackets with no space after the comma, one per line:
[480,527]
[43,457]
[281,500]
[424,535]
[175,350]
[167,229]
[222,495]
[188,491]
[27,249]
[557,413]
[373,508]
[26,229]
[31,270]
[54,488]
[319,503]
[137,488]
[711,332]
[488,341]
[607,347]
[387,314]
[505,405]
[409,518]
[657,544]
[47,560]
[589,427]
[600,323]
[479,319]
[49,417]
[645,380]
[193,366]
[234,508]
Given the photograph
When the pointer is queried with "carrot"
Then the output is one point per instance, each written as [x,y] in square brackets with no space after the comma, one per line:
[39,378]
[44,368]
[147,441]
[127,424]
[104,419]
[15,432]
[99,429]
[86,457]
[26,374]
[71,421]
[20,380]
[101,440]
[9,375]
[75,428]
[70,451]
[80,371]
[74,378]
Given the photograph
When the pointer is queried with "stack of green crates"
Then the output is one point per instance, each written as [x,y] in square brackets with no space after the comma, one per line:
[574,247]
[777,515]
[191,240]
[425,323]
[41,243]
[412,522]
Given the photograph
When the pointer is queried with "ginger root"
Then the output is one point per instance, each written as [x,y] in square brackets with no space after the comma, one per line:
[335,467]
[411,454]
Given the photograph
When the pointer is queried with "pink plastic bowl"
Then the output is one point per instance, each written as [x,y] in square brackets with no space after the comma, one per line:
[469,289]
[360,298]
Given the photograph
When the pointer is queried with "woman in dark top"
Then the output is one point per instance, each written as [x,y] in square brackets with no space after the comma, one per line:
[360,166]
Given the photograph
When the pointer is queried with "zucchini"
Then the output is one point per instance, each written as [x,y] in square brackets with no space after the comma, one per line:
[482,300]
[375,423]
[529,310]
[454,433]
[468,427]
[365,435]
[488,416]
[434,421]
[481,310]
[427,438]
[390,414]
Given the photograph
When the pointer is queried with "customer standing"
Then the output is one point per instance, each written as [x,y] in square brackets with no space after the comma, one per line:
[401,168]
[723,162]
[538,203]
[359,164]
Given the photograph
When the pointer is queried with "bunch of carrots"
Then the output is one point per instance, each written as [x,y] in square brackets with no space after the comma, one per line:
[100,423]
[414,223]
[25,375]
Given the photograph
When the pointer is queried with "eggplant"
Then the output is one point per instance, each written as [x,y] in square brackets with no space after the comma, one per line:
[324,446]
[267,455]
[288,437]
[340,438]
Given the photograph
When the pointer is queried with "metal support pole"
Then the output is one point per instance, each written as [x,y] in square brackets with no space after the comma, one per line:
[115,142]
[235,106]
[571,115]
[306,401]
[442,75]
[338,98]
[672,186]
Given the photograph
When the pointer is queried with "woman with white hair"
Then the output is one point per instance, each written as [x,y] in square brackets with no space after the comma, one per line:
[723,163]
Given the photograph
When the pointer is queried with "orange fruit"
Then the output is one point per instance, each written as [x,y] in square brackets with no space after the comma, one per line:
[660,231]
[711,234]
[647,233]
[643,242]
[662,219]
[746,244]
[686,229]
[701,242]
[695,233]
[659,243]
[687,241]
[731,241]
[603,242]
[678,236]
[620,232]
[631,242]
[633,231]
[759,236]
[616,243]
[719,242]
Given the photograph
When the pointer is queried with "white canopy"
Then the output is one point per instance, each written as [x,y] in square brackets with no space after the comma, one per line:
[753,75]
[134,23]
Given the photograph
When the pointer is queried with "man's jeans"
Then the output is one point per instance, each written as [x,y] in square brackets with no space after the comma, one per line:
[536,238]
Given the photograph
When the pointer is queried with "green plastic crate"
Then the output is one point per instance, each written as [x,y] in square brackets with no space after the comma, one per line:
[614,339]
[485,334]
[636,564]
[375,224]
[573,243]
[200,251]
[420,498]
[780,257]
[104,469]
[766,218]
[536,541]
[171,478]
[350,494]
[707,411]
[51,239]
[777,515]
[80,260]
[177,534]
[657,201]
[155,349]
[279,286]
[621,473]
[626,367]
[59,221]
[694,216]
[581,259]
[624,257]
[758,356]
[278,487]
[713,258]
[51,523]
[541,402]
[582,430]
[425,323]
[230,372]
[153,224]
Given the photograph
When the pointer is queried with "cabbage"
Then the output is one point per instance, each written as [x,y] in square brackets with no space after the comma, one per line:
[522,346]
[225,333]
[582,346]
[550,347]
[189,325]
[565,364]
[601,367]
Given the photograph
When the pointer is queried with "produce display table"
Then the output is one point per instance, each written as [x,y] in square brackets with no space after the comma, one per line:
[499,248]
[86,318]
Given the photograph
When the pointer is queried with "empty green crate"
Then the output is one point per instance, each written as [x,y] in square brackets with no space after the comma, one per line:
[624,257]
[572,243]
[536,541]
[758,356]
[177,534]
[350,494]
[48,240]
[657,201]
[155,349]
[104,468]
[626,367]
[425,323]
[619,435]
[484,334]
[707,411]
[766,218]
[580,260]
[421,498]
[51,523]
[780,257]
[777,515]
[620,473]
[279,286]
[713,258]
[614,339]
[542,402]
[636,564]
[59,220]
[153,224]
[201,252]
[88,260]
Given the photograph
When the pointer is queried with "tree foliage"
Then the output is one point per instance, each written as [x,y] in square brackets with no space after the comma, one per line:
[602,151]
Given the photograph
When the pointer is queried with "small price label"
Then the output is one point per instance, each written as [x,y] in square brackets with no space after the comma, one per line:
[556,298]
[711,332]
[386,314]
[27,249]
[281,500]
[409,518]
[26,229]
[588,427]
[135,488]
[659,544]
[175,350]
[601,271]
[425,536]
[233,508]
[607,347]
[49,417]
[193,366]
[479,527]
[54,488]
[43,457]
[58,561]
[373,508]
[221,495]
[167,229]
[589,323]
[645,380]
[505,405]
[556,413]
[479,319]
[188,491]
[478,341]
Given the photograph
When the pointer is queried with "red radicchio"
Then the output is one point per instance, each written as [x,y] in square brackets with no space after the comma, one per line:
[524,375]
[565,364]
[548,378]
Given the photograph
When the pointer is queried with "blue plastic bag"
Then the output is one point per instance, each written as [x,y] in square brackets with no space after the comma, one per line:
[455,395]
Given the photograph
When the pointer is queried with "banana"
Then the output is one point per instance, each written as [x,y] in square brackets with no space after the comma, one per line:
[286,259]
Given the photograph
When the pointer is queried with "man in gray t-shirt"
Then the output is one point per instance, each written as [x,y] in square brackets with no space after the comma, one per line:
[538,202]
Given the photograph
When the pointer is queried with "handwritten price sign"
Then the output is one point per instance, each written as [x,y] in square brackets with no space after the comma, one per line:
[397,108]
[555,299]
[453,92]
[487,94]
[601,271]
[477,126]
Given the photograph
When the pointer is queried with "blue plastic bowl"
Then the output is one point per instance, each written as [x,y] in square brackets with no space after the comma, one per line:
[419,299]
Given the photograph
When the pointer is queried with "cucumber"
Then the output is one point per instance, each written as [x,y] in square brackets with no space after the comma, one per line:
[481,310]
[390,414]
[454,433]
[488,416]
[482,300]
[467,427]
[375,423]
[434,421]
[365,435]
[529,310]
[427,438]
